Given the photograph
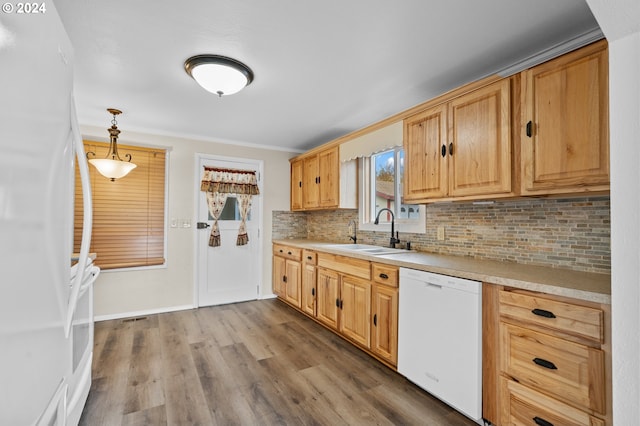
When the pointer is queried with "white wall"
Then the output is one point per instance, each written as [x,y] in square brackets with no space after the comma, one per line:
[118,294]
[620,22]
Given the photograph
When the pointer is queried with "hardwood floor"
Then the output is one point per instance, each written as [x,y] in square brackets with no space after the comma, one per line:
[252,363]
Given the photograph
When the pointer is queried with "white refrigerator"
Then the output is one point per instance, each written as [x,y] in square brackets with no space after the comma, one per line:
[46,304]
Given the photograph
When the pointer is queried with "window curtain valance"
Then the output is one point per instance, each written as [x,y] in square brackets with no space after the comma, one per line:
[377,141]
[216,184]
[229,181]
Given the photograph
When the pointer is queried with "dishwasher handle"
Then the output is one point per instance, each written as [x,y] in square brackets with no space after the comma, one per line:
[432,285]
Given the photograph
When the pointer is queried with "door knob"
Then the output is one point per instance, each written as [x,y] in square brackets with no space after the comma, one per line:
[203,225]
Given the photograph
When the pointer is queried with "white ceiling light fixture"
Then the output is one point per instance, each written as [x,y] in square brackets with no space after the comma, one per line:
[218,74]
[113,167]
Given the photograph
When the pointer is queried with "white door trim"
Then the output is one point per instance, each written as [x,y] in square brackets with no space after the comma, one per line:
[197,178]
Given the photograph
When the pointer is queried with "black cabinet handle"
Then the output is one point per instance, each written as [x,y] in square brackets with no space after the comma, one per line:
[284,278]
[384,276]
[375,320]
[543,313]
[300,184]
[541,422]
[341,304]
[281,251]
[529,128]
[544,363]
[443,150]
[289,253]
[313,291]
[309,257]
[337,303]
[451,148]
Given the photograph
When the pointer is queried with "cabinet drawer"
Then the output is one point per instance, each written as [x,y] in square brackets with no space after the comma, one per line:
[569,371]
[309,257]
[346,265]
[288,252]
[385,274]
[524,406]
[575,320]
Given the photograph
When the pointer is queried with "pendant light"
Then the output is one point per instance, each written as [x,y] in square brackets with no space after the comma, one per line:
[113,167]
[218,74]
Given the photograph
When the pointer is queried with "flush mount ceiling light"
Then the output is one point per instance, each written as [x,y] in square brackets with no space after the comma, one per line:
[219,74]
[113,167]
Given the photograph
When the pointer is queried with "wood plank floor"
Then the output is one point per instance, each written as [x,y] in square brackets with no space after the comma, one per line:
[252,363]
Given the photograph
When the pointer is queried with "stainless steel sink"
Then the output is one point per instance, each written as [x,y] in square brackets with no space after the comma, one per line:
[365,249]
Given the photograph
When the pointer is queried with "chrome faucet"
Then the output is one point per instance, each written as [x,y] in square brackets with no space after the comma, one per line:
[394,235]
[353,231]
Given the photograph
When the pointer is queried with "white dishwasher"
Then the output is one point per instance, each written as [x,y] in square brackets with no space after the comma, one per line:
[440,338]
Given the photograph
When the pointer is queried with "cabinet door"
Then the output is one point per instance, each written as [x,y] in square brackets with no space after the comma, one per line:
[309,289]
[293,282]
[278,276]
[425,166]
[310,187]
[480,141]
[355,309]
[327,297]
[329,178]
[296,185]
[384,333]
[566,146]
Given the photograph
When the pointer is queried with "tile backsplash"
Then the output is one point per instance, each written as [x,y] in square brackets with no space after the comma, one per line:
[571,233]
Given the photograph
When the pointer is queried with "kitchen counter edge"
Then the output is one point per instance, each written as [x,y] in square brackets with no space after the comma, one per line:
[588,286]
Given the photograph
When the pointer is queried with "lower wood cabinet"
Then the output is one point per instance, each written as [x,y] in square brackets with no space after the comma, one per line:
[287,274]
[546,360]
[327,297]
[355,309]
[384,310]
[309,283]
[355,298]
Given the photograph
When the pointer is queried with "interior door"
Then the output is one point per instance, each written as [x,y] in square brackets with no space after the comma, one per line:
[228,273]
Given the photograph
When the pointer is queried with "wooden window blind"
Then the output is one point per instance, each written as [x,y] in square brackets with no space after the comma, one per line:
[128,214]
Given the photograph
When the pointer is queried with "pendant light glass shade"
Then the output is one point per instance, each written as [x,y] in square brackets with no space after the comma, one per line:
[113,167]
[218,74]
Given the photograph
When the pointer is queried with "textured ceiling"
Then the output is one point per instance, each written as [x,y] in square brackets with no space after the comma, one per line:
[322,68]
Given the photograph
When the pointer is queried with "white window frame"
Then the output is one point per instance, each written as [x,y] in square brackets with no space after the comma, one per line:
[366,217]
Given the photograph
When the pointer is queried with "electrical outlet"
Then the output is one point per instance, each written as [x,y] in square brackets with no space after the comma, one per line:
[440,233]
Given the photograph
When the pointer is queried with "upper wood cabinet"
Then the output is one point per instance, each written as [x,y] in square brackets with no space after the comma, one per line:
[320,181]
[565,140]
[296,185]
[461,148]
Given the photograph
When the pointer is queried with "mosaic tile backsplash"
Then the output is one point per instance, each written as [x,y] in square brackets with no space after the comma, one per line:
[571,233]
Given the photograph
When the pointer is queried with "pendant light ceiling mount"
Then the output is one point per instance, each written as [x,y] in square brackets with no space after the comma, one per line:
[112,166]
[217,74]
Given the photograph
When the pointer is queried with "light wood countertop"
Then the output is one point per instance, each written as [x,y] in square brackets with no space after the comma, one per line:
[587,286]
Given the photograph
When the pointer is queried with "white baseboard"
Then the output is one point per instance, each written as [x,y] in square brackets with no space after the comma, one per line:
[267,296]
[142,313]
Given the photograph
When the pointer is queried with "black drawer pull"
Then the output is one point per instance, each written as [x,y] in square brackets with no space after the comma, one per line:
[543,313]
[309,258]
[529,133]
[544,363]
[313,291]
[289,253]
[384,276]
[375,320]
[443,150]
[281,251]
[541,422]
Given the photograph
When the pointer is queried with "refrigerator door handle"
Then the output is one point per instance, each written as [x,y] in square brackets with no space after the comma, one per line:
[87,220]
